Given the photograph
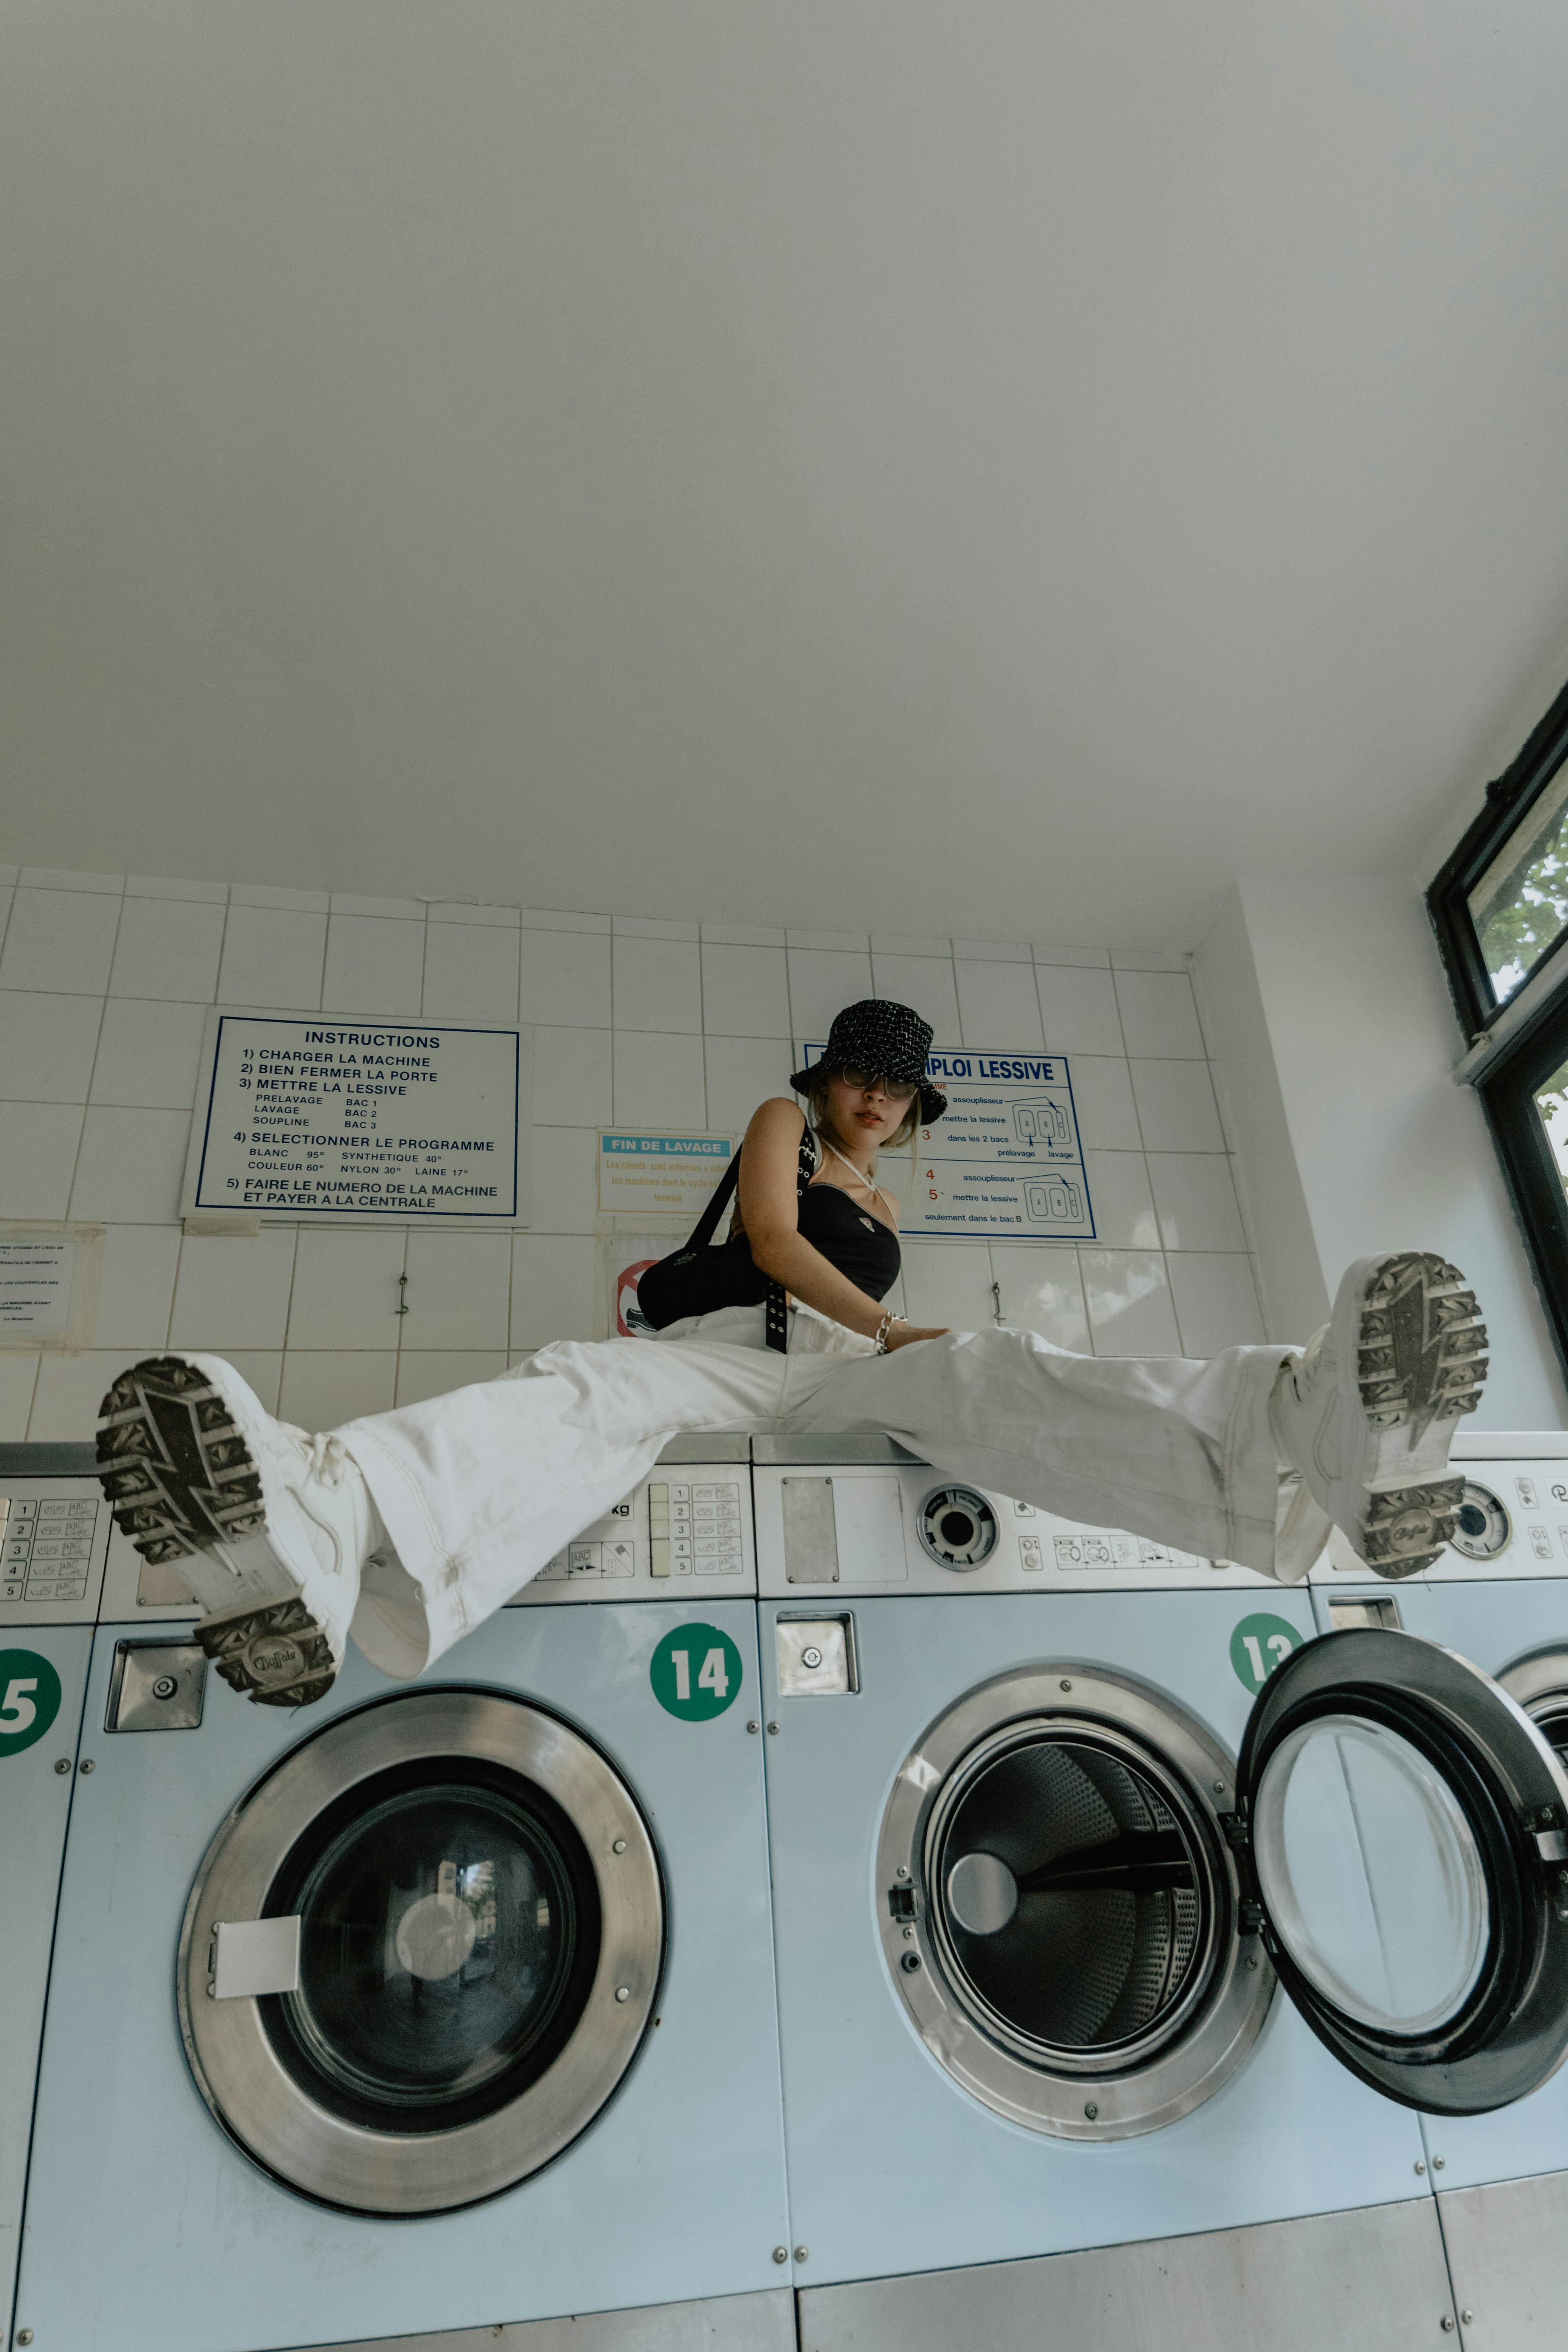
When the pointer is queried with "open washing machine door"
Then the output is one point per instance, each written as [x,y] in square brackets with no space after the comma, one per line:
[1400,1833]
[421,1954]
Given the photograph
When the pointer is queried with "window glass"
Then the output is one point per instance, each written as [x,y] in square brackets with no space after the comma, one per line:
[1519,905]
[1551,1100]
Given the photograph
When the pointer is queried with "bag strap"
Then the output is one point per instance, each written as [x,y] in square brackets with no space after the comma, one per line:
[704,1231]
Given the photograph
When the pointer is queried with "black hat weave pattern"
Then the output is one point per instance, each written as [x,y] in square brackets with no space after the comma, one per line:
[887,1041]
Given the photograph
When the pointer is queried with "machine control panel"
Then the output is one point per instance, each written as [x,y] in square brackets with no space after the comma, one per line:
[859,1526]
[688,1526]
[53,1536]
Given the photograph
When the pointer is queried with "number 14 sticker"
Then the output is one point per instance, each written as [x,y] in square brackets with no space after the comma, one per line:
[695,1673]
[1259,1646]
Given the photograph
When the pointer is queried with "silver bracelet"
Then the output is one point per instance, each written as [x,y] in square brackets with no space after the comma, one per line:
[883,1328]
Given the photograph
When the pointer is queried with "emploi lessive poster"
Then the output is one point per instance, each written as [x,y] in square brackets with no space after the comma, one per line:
[1006,1162]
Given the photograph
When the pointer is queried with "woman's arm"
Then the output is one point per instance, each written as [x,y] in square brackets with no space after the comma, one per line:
[769,1158]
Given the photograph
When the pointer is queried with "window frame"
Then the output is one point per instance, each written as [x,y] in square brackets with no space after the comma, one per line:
[1531,1025]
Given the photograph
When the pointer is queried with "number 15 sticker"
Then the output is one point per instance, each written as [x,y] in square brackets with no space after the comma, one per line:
[695,1673]
[1259,1645]
[29,1699]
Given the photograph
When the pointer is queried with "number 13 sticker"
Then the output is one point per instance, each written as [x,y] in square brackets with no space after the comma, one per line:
[695,1673]
[1259,1646]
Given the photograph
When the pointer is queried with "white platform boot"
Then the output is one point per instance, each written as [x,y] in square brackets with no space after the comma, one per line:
[1367,1413]
[268,1526]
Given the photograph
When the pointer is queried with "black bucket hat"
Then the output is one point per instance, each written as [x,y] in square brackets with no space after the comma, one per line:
[890,1041]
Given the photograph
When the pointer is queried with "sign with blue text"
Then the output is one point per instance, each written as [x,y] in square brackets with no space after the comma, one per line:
[661,1175]
[1004,1163]
[309,1117]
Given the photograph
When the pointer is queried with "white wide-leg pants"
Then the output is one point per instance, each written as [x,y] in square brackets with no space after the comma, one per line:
[480,1488]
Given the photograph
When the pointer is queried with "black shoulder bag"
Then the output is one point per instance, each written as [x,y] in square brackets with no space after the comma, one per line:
[698,1279]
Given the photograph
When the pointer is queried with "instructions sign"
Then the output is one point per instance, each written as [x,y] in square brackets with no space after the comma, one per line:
[36,1280]
[1005,1162]
[661,1175]
[305,1118]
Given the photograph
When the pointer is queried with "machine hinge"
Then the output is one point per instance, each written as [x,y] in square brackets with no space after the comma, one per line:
[901,1902]
[1234,1831]
[1249,1919]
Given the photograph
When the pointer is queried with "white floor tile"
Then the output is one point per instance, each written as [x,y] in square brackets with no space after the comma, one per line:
[822,981]
[457,1289]
[1129,1302]
[487,918]
[1148,960]
[38,1155]
[1078,1006]
[565,1181]
[47,1046]
[926,984]
[61,878]
[470,973]
[406,910]
[231,1293]
[551,1288]
[1158,1015]
[130,1166]
[992,952]
[1102,1094]
[18,1377]
[273,955]
[1042,1291]
[149,1053]
[69,1390]
[552,919]
[998,1006]
[265,894]
[846,943]
[138,1287]
[324,1388]
[657,983]
[649,927]
[376,963]
[169,947]
[60,940]
[571,1077]
[908,943]
[948,1284]
[1123,1204]
[345,1291]
[658,1081]
[1216,1302]
[436,1371]
[1177,1107]
[741,935]
[566,977]
[745,992]
[1196,1201]
[742,1073]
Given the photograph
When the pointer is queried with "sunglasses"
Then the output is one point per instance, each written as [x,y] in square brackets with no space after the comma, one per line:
[898,1090]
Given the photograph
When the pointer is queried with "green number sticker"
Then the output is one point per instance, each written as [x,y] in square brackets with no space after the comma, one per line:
[29,1699]
[1258,1646]
[696,1673]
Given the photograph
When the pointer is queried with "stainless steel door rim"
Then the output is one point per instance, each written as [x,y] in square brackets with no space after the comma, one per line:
[1220,1992]
[236,2065]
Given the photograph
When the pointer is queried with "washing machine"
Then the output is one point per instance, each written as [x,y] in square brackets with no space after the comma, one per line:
[1079,1948]
[1500,1598]
[435,2007]
[54,1533]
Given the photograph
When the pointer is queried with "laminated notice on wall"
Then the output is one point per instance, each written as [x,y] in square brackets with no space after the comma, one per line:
[48,1285]
[308,1116]
[1005,1162]
[661,1175]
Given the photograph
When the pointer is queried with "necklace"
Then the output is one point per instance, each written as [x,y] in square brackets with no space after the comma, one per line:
[860,1175]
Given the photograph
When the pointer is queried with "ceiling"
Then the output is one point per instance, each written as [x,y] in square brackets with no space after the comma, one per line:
[990,466]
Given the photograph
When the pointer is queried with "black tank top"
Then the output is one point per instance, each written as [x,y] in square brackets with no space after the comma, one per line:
[858,1245]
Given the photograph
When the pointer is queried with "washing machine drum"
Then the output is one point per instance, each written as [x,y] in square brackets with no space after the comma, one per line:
[419,1957]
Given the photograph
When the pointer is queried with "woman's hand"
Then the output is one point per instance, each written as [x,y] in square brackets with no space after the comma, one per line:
[904,1335]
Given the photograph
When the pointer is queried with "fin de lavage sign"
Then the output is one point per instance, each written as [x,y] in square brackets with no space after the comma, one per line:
[307,1118]
[1006,1162]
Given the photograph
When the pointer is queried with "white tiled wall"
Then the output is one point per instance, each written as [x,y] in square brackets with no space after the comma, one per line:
[104,982]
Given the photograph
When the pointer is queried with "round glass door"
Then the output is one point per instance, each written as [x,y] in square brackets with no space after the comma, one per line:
[447,1940]
[479,1926]
[1408,1852]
